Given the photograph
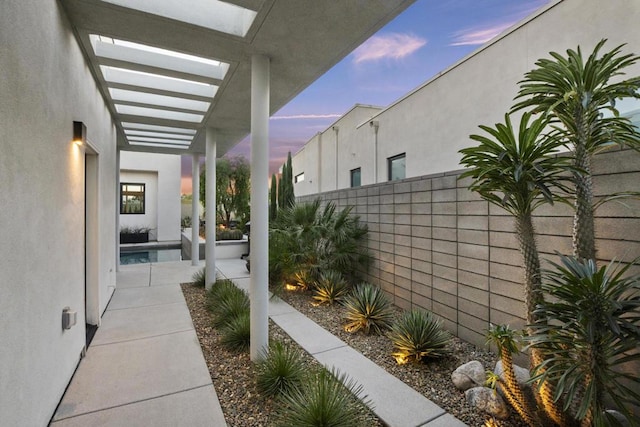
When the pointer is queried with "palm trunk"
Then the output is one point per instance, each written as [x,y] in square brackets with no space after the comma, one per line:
[512,390]
[532,278]
[584,245]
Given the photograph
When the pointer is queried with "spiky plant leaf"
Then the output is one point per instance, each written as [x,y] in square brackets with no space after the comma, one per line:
[236,334]
[418,335]
[227,309]
[368,310]
[331,288]
[281,370]
[199,277]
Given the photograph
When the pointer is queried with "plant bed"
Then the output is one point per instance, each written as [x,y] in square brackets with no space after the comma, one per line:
[134,235]
[233,374]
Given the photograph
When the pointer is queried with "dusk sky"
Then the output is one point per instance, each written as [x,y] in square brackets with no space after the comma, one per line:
[427,38]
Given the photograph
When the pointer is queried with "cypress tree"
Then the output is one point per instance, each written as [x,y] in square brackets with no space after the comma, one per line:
[281,189]
[273,205]
[289,197]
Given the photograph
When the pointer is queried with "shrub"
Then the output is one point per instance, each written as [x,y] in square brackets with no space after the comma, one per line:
[368,309]
[331,288]
[229,234]
[218,292]
[236,333]
[281,370]
[417,335]
[327,399]
[199,278]
[227,309]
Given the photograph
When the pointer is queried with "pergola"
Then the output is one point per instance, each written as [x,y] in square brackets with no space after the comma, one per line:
[195,77]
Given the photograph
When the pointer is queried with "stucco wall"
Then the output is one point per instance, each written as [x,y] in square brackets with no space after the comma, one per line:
[434,121]
[161,174]
[44,87]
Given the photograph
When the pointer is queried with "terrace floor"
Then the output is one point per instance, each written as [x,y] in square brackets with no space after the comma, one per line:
[145,367]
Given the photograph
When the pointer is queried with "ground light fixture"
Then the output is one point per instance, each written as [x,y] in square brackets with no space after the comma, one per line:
[79,133]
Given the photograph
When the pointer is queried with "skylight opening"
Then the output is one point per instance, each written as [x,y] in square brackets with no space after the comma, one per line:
[158,113]
[135,133]
[123,76]
[158,140]
[151,144]
[213,14]
[159,100]
[168,129]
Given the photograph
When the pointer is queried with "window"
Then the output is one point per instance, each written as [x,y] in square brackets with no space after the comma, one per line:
[299,178]
[397,167]
[131,198]
[355,177]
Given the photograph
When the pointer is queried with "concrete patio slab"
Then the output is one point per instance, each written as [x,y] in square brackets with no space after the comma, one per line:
[446,420]
[171,273]
[117,374]
[312,337]
[133,276]
[142,322]
[393,401]
[277,307]
[197,407]
[232,268]
[145,296]
[243,284]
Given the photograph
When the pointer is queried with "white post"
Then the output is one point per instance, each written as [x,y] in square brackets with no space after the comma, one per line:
[258,287]
[210,211]
[118,201]
[195,210]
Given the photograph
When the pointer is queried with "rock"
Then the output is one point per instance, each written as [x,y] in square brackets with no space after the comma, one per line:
[487,400]
[522,374]
[469,375]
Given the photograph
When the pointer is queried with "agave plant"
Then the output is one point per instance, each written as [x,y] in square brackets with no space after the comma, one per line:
[368,309]
[578,95]
[594,329]
[331,288]
[327,399]
[418,335]
[281,370]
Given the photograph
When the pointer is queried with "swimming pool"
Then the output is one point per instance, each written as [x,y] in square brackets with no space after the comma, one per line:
[146,256]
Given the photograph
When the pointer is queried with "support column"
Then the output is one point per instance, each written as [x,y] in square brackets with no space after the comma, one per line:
[259,291]
[210,211]
[118,201]
[195,210]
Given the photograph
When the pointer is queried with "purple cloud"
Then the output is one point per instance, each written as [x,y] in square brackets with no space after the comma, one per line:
[478,36]
[388,46]
[306,116]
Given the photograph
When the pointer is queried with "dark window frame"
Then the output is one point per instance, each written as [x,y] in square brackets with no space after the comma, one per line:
[124,192]
[390,161]
[296,179]
[351,174]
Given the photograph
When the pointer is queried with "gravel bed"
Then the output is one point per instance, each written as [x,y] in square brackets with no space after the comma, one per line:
[432,379]
[233,374]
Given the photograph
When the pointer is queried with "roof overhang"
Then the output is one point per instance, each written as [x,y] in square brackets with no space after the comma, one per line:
[169,69]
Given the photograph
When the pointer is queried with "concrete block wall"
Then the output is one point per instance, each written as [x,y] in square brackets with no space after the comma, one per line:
[439,246]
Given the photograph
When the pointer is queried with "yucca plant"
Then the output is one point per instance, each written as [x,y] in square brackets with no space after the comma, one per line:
[326,399]
[579,96]
[199,277]
[504,339]
[281,370]
[594,329]
[227,309]
[330,288]
[418,335]
[236,334]
[368,310]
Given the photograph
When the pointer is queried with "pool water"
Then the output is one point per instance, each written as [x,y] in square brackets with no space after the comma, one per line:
[145,256]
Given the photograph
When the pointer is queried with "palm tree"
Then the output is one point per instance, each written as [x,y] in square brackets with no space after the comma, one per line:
[594,330]
[504,339]
[579,96]
[518,173]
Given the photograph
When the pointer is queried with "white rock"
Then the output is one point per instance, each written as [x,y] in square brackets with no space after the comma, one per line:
[522,374]
[487,400]
[469,375]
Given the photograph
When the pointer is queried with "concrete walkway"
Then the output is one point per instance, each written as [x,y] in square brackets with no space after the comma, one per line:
[144,366]
[394,402]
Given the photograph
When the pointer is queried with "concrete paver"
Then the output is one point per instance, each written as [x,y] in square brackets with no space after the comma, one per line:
[141,297]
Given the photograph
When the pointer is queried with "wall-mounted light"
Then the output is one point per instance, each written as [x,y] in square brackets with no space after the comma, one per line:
[79,133]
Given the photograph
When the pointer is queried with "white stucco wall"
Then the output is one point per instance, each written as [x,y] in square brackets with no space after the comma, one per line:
[433,122]
[45,86]
[161,174]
